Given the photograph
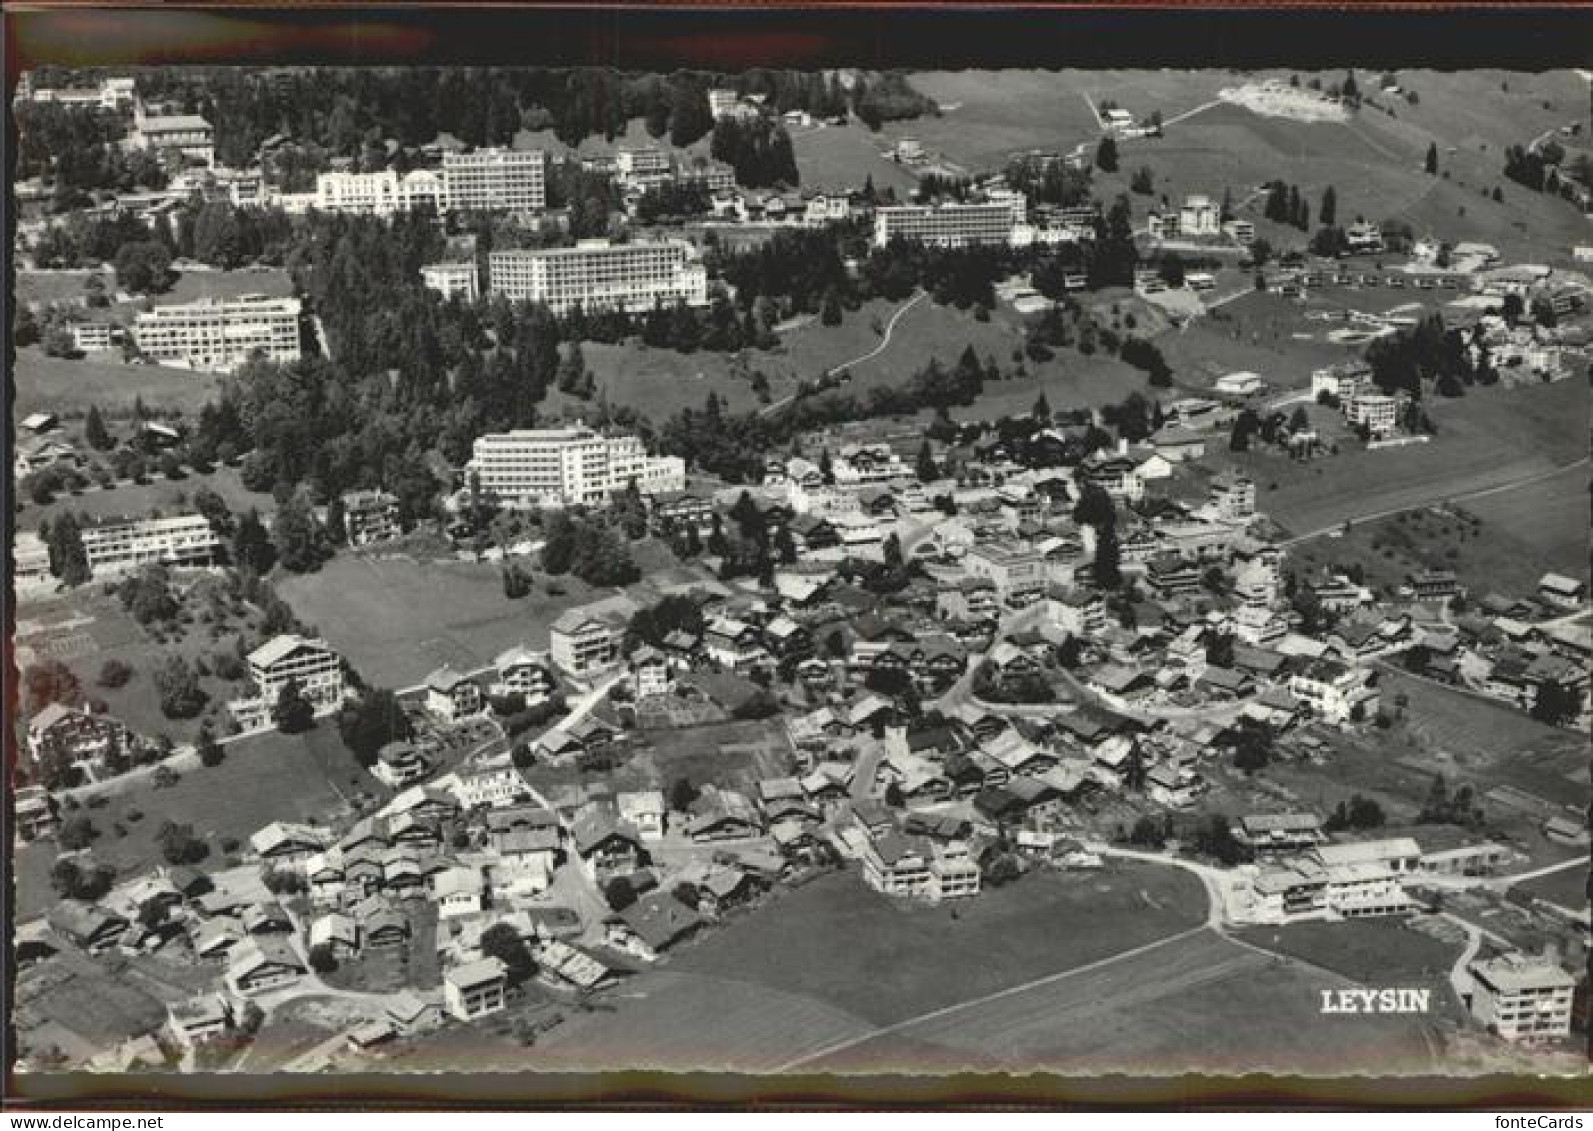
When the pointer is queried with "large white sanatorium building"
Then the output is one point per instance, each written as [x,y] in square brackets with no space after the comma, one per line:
[495,180]
[947,225]
[378,194]
[220,334]
[633,277]
[568,466]
[182,540]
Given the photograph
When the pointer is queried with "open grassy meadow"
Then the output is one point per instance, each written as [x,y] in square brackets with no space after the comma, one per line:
[169,496]
[1154,1013]
[1488,439]
[1374,160]
[67,387]
[397,619]
[834,960]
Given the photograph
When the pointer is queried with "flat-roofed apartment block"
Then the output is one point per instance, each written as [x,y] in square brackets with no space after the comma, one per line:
[220,334]
[450,279]
[568,466]
[182,540]
[633,277]
[313,663]
[370,516]
[495,180]
[1522,998]
[643,166]
[947,225]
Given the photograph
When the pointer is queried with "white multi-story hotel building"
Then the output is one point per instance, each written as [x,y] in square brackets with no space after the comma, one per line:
[313,663]
[947,225]
[1524,999]
[449,279]
[495,180]
[378,194]
[568,466]
[220,334]
[633,277]
[182,540]
[1377,411]
[642,166]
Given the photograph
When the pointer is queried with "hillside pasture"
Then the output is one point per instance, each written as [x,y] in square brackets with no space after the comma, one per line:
[69,387]
[396,618]
[1489,438]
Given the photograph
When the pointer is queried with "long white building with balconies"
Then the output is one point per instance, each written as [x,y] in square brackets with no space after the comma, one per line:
[568,466]
[182,540]
[220,334]
[597,274]
[495,180]
[949,225]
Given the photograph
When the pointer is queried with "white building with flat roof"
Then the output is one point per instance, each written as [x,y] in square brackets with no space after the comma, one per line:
[450,279]
[312,662]
[220,334]
[633,277]
[495,180]
[568,466]
[947,225]
[1522,998]
[1377,412]
[182,540]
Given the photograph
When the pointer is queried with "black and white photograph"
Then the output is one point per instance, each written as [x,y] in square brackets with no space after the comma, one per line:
[809,567]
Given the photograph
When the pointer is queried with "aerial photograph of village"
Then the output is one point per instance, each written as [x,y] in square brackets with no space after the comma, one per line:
[852,571]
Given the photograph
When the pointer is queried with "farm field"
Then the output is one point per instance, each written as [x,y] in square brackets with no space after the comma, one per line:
[1488,439]
[265,778]
[54,384]
[397,619]
[1155,1012]
[833,960]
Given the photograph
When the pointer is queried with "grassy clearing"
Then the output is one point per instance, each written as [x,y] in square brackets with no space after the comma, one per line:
[1568,888]
[1486,439]
[53,384]
[840,942]
[1373,952]
[397,619]
[836,158]
[1526,533]
[834,959]
[1155,1013]
[270,777]
[169,496]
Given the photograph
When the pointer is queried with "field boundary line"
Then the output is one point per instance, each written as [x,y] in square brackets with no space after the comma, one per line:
[1010,991]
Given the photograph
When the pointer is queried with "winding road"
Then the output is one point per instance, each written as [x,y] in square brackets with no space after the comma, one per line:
[884,344]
